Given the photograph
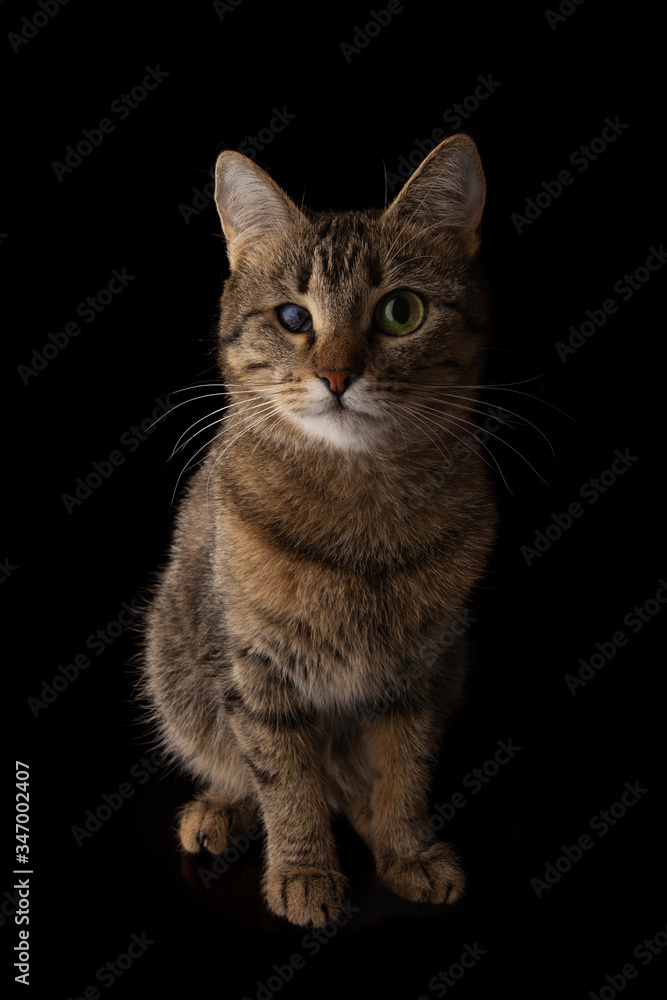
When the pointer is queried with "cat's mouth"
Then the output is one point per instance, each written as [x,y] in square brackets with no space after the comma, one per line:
[340,421]
[335,406]
[342,408]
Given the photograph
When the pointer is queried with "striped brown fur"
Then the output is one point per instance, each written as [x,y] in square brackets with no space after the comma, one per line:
[302,582]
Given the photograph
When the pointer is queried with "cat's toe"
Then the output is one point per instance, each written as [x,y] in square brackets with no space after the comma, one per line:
[309,897]
[207,824]
[434,875]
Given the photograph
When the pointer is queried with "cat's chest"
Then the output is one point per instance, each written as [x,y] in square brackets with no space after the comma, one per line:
[325,541]
[338,622]
[327,510]
[335,637]
[344,582]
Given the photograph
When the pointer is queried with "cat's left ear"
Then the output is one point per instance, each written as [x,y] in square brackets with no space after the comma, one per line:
[251,206]
[447,189]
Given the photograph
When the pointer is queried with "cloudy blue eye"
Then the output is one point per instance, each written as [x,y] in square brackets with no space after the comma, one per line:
[295,318]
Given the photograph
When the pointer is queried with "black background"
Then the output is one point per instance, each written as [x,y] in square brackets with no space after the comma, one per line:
[67,573]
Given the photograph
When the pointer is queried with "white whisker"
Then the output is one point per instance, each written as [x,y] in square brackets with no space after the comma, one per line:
[249,406]
[423,421]
[447,396]
[462,422]
[504,387]
[190,464]
[459,422]
[208,395]
[263,418]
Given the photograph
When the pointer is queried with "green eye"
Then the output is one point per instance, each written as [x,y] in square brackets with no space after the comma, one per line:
[399,313]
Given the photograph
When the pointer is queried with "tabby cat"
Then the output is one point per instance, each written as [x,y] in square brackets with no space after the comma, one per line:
[303,583]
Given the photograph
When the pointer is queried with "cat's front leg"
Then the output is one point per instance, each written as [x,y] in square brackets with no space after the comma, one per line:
[302,881]
[409,860]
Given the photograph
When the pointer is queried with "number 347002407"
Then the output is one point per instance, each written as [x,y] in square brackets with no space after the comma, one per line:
[22,812]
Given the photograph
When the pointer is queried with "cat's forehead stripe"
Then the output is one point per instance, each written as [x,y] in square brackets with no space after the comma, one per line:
[303,278]
[343,243]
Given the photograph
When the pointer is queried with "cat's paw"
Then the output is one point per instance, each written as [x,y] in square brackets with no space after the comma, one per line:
[308,897]
[433,875]
[208,823]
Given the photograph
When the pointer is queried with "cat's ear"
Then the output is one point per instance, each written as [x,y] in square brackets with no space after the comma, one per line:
[251,206]
[448,189]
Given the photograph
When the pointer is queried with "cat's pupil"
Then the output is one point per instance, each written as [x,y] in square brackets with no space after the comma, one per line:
[401,309]
[294,318]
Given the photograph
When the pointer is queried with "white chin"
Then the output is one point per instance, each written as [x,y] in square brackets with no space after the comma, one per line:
[343,429]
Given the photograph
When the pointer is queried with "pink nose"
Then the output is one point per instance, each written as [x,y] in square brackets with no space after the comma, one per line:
[337,380]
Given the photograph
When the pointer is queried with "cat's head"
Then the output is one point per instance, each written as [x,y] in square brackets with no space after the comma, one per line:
[350,327]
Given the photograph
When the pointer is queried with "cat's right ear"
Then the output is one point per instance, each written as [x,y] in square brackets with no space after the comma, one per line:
[251,206]
[447,189]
